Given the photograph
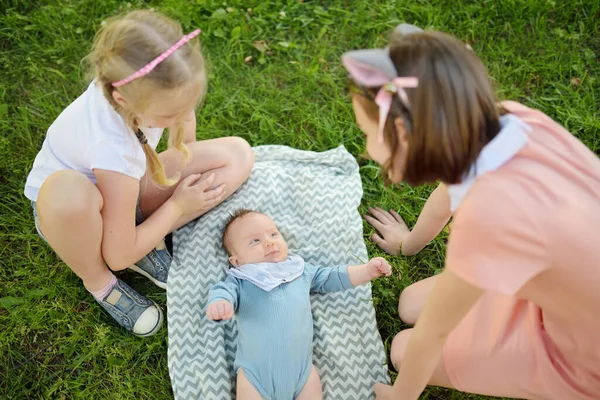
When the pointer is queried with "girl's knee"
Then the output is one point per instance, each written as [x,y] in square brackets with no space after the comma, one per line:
[68,194]
[409,305]
[413,298]
[242,153]
[399,347]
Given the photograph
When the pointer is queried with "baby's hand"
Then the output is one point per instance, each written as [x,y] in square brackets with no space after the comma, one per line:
[218,310]
[378,266]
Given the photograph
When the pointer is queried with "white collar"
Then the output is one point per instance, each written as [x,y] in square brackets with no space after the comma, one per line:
[268,276]
[511,138]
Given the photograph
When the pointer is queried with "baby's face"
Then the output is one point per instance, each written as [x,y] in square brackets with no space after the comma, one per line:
[254,238]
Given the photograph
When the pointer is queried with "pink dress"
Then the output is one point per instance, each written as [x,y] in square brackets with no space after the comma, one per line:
[529,234]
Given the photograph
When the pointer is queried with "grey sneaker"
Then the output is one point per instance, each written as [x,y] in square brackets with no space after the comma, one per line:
[155,266]
[134,312]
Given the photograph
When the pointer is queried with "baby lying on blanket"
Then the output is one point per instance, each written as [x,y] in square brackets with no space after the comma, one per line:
[269,290]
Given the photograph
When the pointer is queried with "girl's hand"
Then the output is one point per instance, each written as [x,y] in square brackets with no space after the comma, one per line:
[378,267]
[384,392]
[219,310]
[391,227]
[193,194]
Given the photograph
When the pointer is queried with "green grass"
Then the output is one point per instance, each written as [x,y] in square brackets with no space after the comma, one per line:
[55,342]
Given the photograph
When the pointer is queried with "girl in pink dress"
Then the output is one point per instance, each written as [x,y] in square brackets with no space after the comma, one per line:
[515,311]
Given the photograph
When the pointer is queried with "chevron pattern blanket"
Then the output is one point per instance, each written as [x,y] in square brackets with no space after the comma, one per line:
[313,197]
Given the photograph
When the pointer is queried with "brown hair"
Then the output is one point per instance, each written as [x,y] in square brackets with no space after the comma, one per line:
[125,44]
[236,214]
[451,115]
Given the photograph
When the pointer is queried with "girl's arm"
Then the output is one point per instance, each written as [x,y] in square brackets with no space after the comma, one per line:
[395,237]
[450,300]
[432,220]
[122,242]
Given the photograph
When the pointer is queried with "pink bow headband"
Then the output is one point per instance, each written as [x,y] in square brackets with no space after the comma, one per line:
[373,68]
[384,98]
[379,71]
[146,69]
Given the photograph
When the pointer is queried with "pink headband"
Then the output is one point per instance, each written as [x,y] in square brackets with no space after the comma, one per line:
[146,69]
[384,98]
[370,76]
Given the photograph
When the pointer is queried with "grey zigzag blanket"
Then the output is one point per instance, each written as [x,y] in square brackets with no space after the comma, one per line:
[313,197]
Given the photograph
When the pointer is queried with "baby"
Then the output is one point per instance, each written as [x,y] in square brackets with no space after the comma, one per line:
[269,290]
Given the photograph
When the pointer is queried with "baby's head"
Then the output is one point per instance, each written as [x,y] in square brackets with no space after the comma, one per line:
[252,237]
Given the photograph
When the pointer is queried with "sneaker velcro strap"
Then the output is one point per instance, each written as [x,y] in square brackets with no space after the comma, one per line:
[114,297]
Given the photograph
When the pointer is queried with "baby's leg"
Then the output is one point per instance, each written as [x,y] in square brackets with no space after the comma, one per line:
[245,390]
[68,207]
[312,388]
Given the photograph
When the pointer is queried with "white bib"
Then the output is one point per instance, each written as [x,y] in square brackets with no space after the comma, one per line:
[268,276]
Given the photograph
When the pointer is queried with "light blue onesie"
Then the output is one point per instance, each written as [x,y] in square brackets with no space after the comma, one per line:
[275,328]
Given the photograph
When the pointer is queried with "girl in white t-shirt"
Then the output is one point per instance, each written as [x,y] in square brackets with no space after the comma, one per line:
[98,175]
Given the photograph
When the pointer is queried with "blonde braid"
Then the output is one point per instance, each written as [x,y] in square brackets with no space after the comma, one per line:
[125,44]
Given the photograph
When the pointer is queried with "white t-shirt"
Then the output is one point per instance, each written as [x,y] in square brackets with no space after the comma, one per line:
[90,134]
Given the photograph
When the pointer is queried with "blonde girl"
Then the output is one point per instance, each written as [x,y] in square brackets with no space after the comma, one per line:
[102,197]
[515,311]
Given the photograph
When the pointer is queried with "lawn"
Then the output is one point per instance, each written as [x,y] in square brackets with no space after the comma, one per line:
[55,341]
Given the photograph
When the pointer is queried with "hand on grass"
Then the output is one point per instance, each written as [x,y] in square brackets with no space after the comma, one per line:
[391,227]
